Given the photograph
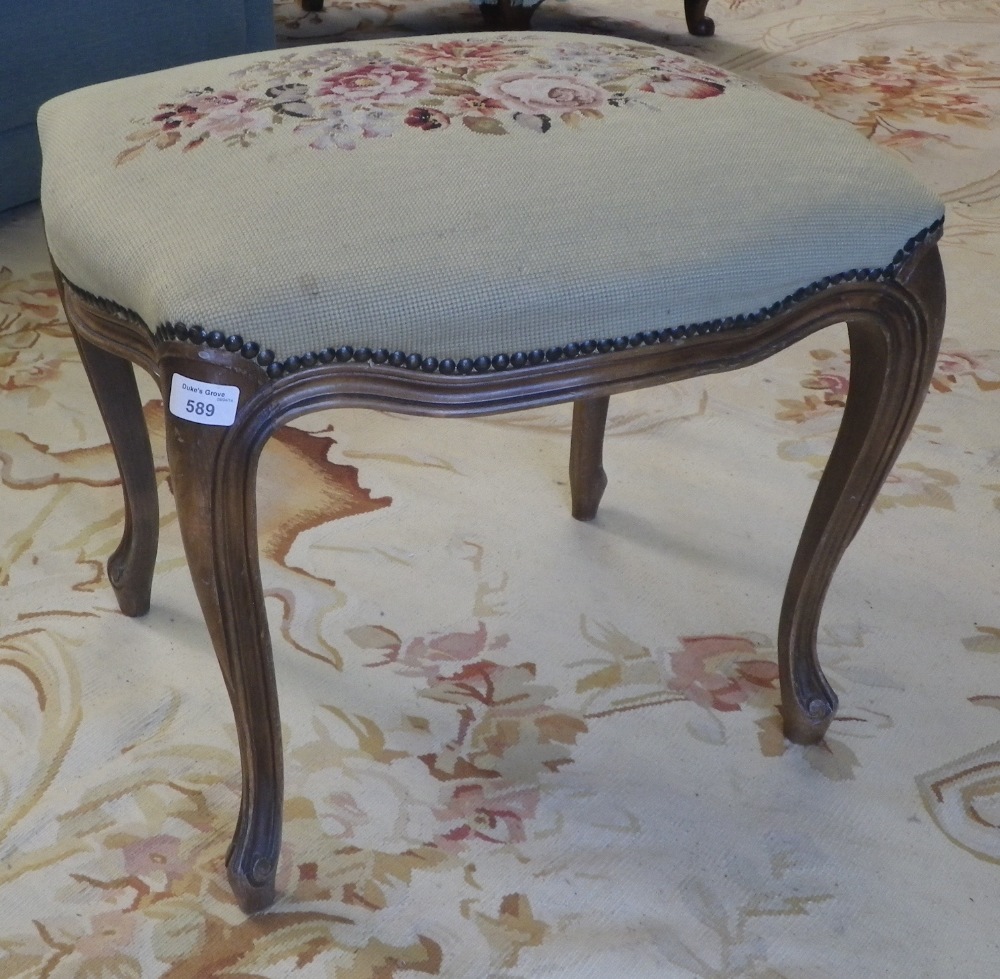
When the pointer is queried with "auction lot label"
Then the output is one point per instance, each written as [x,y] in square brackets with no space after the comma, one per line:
[203,403]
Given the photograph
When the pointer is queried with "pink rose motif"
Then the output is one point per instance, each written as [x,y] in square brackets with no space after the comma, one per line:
[155,856]
[832,376]
[955,365]
[373,83]
[427,656]
[495,818]
[234,119]
[833,386]
[723,672]
[540,93]
[682,87]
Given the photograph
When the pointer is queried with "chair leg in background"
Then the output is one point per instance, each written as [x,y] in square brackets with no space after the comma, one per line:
[130,567]
[697,23]
[587,479]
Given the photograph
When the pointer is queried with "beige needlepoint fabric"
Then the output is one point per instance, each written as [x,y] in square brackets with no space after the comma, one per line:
[457,195]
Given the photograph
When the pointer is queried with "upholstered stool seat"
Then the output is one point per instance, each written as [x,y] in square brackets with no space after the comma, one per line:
[464,225]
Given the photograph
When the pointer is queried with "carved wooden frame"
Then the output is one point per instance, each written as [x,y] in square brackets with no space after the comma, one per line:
[894,328]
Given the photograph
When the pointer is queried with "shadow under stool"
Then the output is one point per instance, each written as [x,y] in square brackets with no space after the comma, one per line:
[455,226]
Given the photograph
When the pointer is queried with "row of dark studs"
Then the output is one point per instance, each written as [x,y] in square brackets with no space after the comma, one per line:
[500,362]
[932,232]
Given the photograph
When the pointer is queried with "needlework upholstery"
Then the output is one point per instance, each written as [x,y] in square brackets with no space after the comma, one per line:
[459,195]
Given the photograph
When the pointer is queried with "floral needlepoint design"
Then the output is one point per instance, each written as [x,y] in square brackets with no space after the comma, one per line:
[374,83]
[540,92]
[336,96]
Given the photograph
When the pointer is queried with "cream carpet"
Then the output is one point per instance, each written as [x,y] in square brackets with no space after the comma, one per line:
[520,746]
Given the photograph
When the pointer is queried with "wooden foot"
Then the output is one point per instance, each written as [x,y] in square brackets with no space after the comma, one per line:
[697,23]
[587,479]
[894,344]
[130,567]
[214,477]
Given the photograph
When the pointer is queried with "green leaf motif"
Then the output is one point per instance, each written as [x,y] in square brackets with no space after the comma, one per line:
[453,89]
[484,124]
[988,640]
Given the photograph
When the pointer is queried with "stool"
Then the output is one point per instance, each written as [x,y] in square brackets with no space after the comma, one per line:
[454,226]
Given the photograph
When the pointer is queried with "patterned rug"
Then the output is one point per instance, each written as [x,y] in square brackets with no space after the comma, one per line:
[517,745]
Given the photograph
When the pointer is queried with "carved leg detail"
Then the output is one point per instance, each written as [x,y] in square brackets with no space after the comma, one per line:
[697,23]
[587,479]
[893,353]
[130,567]
[214,474]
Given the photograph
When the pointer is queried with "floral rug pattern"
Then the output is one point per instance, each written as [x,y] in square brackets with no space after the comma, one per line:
[516,745]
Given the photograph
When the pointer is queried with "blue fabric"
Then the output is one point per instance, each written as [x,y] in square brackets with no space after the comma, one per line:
[58,45]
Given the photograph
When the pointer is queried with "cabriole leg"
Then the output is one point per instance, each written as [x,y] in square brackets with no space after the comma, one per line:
[893,355]
[213,470]
[130,567]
